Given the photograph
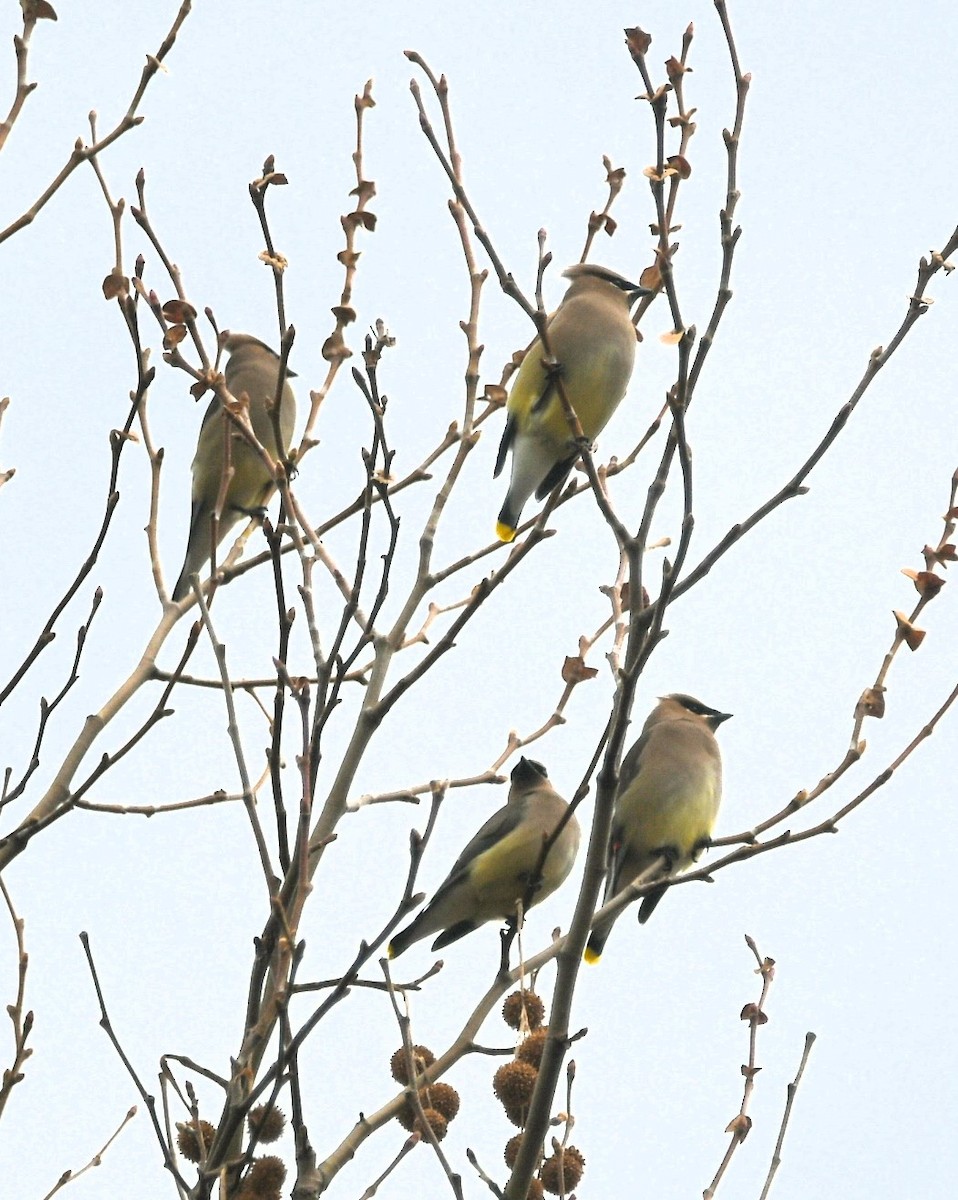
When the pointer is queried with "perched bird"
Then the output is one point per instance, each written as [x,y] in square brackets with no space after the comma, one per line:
[495,870]
[254,369]
[670,788]
[592,337]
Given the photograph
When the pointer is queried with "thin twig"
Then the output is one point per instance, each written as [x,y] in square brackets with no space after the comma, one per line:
[21,46]
[69,1176]
[789,1101]
[22,1021]
[249,796]
[128,121]
[413,1087]
[148,1100]
[755,1014]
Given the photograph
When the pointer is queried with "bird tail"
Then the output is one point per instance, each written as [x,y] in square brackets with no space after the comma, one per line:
[649,901]
[191,567]
[197,552]
[507,525]
[556,475]
[400,942]
[595,945]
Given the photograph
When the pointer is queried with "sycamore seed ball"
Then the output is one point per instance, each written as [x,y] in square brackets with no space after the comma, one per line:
[422,1057]
[561,1171]
[187,1142]
[530,1049]
[511,1152]
[436,1121]
[266,1124]
[512,1009]
[440,1097]
[443,1097]
[264,1180]
[514,1083]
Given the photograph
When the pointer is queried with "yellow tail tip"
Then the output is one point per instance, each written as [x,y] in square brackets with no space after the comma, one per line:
[591,956]
[390,952]
[504,532]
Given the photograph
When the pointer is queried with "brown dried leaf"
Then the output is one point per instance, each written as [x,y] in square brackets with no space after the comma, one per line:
[365,190]
[345,314]
[178,311]
[198,389]
[366,99]
[872,702]
[574,670]
[911,634]
[651,277]
[335,348]
[741,1125]
[927,583]
[115,284]
[610,225]
[276,261]
[673,338]
[173,336]
[495,394]
[681,165]
[674,68]
[360,217]
[637,40]
[38,10]
[625,594]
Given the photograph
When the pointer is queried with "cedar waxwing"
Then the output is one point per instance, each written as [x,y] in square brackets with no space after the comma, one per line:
[670,788]
[254,369]
[494,871]
[592,337]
